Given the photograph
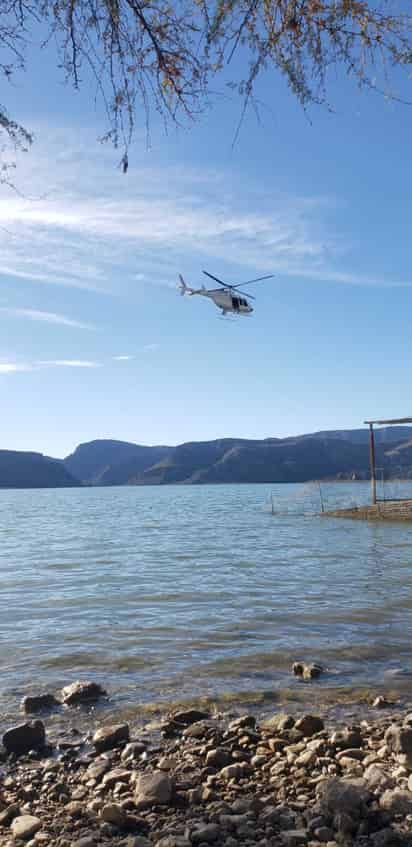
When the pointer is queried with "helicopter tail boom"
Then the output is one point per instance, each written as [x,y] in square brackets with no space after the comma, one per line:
[185,289]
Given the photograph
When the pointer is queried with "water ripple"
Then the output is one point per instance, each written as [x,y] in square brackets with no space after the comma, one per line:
[179,591]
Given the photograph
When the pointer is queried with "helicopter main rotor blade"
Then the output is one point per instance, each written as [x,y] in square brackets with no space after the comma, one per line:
[217,280]
[249,282]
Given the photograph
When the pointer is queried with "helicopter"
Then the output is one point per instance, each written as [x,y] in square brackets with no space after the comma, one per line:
[230,299]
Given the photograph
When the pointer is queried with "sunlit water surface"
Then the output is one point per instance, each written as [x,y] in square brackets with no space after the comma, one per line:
[170,594]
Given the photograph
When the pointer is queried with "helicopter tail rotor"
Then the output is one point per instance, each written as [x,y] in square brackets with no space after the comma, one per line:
[182,286]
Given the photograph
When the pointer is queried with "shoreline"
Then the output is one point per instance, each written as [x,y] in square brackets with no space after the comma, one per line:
[124,705]
[197,777]
[334,705]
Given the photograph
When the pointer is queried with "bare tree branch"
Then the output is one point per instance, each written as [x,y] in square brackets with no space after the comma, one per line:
[164,54]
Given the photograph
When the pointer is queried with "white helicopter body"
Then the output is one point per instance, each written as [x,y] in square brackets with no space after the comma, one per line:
[228,298]
[223,298]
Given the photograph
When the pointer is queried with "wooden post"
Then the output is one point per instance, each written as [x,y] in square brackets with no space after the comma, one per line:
[372,462]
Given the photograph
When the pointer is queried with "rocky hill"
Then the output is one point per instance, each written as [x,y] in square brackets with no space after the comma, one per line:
[339,454]
[109,462]
[32,470]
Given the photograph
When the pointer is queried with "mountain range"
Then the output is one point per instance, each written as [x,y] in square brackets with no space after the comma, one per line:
[334,454]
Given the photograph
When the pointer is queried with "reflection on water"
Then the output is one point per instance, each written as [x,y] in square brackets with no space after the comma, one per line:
[174,592]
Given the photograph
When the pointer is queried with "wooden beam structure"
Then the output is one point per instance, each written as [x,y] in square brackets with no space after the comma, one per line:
[372,462]
[372,457]
[391,422]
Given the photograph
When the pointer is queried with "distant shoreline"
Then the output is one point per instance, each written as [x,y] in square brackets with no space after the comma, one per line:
[335,455]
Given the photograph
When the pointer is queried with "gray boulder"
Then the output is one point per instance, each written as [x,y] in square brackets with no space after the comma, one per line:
[309,725]
[114,814]
[218,758]
[279,722]
[25,826]
[347,738]
[189,716]
[311,671]
[133,750]
[108,737]
[7,814]
[399,739]
[235,771]
[82,692]
[38,703]
[343,796]
[24,737]
[153,789]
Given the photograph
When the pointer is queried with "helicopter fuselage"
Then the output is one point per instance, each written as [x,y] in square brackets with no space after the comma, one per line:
[227,300]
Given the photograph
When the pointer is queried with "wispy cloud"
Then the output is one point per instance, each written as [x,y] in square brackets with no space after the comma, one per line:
[12,367]
[47,317]
[68,363]
[17,367]
[22,367]
[96,230]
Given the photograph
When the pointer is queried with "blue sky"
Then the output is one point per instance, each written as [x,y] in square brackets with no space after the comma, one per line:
[95,341]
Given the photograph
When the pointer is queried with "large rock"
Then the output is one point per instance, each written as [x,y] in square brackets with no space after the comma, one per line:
[218,758]
[98,768]
[114,814]
[311,671]
[7,814]
[25,826]
[399,739]
[397,802]
[24,737]
[108,737]
[340,796]
[189,716]
[82,692]
[133,750]
[38,703]
[235,771]
[279,722]
[198,729]
[117,775]
[181,720]
[347,738]
[309,725]
[153,789]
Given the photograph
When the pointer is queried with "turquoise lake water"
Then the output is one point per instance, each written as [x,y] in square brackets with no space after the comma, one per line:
[169,594]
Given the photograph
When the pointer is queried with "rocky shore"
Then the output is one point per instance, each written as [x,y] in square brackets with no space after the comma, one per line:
[208,779]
